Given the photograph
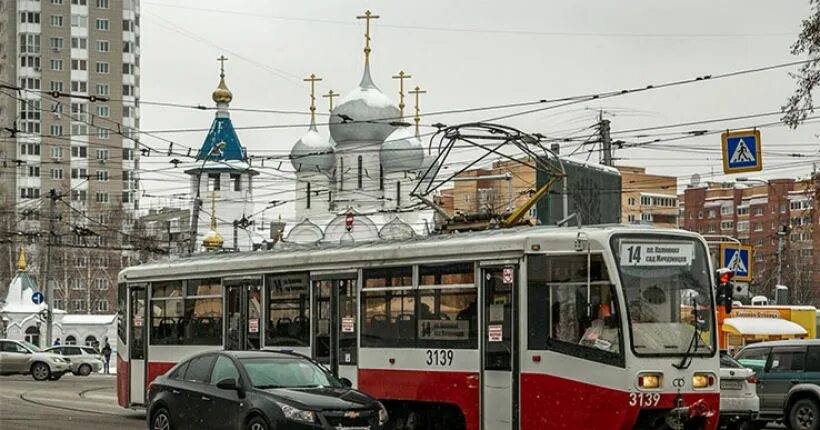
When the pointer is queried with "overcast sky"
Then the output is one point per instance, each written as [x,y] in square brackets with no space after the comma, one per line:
[474,53]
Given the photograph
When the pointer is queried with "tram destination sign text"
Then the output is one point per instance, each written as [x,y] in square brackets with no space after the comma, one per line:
[656,254]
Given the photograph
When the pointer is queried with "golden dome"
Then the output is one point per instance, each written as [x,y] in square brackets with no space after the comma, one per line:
[21,261]
[222,94]
[212,241]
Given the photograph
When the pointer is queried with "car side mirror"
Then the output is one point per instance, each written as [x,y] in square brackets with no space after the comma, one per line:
[227,384]
[346,382]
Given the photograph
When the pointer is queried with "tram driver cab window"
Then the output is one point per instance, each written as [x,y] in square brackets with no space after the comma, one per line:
[572,308]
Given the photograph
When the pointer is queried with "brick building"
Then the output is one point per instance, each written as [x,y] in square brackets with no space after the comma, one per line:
[761,214]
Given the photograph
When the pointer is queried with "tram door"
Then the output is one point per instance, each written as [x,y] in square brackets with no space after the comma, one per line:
[335,310]
[137,339]
[500,356]
[243,314]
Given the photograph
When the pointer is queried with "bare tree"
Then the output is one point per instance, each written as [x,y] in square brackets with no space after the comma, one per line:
[801,103]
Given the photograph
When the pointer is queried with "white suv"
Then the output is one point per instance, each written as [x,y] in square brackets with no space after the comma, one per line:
[23,358]
[739,404]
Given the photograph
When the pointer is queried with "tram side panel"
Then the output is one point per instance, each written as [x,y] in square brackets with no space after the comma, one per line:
[435,376]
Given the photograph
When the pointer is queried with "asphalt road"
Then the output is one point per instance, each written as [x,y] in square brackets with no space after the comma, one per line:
[72,403]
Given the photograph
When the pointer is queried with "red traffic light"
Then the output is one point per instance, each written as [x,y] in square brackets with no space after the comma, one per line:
[726,277]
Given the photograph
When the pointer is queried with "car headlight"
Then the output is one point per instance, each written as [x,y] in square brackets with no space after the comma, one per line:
[297,414]
[383,417]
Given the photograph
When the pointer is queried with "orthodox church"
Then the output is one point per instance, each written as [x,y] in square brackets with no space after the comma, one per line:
[354,185]
[222,175]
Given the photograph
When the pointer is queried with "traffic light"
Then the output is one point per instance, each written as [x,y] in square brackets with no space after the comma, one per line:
[725,288]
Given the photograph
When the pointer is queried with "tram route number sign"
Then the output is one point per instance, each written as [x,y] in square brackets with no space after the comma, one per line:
[656,254]
[253,325]
[348,325]
[495,333]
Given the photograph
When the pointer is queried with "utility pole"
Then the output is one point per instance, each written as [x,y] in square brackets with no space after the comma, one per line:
[195,214]
[606,141]
[52,214]
[781,233]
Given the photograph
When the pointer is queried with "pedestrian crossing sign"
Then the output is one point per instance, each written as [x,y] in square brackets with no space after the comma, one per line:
[741,151]
[738,259]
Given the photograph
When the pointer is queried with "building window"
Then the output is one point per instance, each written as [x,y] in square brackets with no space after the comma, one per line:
[57,174]
[57,153]
[127,25]
[726,210]
[758,226]
[102,175]
[759,211]
[101,306]
[630,218]
[29,17]
[102,197]
[102,154]
[79,87]
[102,24]
[79,43]
[128,90]
[78,305]
[79,64]
[742,210]
[30,61]
[79,21]
[55,86]
[631,201]
[78,2]
[711,229]
[101,284]
[30,44]
[127,154]
[128,69]
[55,43]
[712,214]
[647,217]
[797,205]
[128,48]
[103,89]
[30,84]
[79,173]
[56,65]
[103,46]
[213,182]
[79,152]
[56,20]
[743,226]
[103,111]
[102,67]
[727,225]
[102,4]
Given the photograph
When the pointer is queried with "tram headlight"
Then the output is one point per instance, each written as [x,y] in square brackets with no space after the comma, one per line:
[703,380]
[297,414]
[383,417]
[650,381]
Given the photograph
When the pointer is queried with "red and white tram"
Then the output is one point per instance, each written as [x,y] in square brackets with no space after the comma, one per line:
[527,328]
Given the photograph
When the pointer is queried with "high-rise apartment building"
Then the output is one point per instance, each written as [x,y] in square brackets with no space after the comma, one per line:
[779,218]
[69,111]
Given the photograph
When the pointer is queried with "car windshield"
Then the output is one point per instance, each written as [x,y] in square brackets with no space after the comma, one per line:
[287,372]
[666,284]
[31,347]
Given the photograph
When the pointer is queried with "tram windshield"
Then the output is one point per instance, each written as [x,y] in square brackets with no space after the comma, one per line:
[666,285]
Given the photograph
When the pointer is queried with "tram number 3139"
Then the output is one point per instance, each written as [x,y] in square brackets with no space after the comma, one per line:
[644,399]
[439,357]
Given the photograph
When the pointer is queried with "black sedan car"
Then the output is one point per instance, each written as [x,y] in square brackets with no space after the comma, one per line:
[257,390]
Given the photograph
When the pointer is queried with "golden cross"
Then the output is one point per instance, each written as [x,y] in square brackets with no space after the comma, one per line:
[417,117]
[312,79]
[401,77]
[330,94]
[367,17]
[222,59]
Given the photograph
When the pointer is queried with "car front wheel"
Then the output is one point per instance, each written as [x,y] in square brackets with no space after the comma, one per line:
[40,371]
[161,420]
[257,423]
[84,370]
[804,415]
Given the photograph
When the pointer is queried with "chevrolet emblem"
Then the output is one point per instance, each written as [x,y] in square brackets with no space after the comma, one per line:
[351,414]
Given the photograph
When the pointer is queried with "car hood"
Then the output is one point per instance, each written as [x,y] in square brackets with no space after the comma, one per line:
[323,398]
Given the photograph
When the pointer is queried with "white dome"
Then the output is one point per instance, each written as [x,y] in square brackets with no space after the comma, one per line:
[348,120]
[401,152]
[313,152]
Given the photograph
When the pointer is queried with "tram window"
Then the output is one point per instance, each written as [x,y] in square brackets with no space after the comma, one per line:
[202,321]
[122,295]
[193,318]
[448,317]
[568,315]
[447,274]
[388,277]
[289,310]
[389,318]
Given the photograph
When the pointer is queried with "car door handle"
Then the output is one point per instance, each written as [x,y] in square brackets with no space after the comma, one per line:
[174,391]
[206,398]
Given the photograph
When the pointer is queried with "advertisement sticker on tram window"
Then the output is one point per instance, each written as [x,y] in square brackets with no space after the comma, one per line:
[657,253]
[138,321]
[348,324]
[444,329]
[507,275]
[494,333]
[253,325]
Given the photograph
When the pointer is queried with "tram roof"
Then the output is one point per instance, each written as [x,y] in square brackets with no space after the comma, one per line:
[291,257]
